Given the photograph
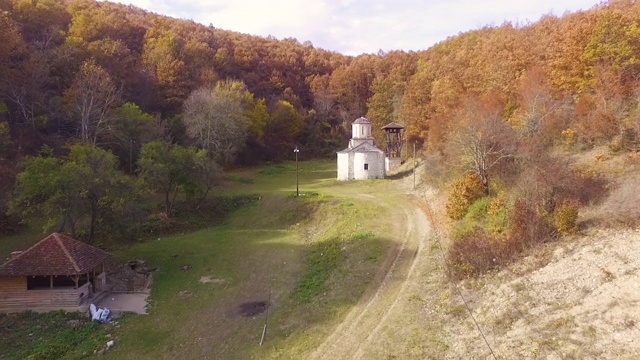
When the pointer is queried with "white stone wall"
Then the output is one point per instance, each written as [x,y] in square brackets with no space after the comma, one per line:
[343,166]
[375,162]
[357,142]
[360,131]
[351,166]
[392,163]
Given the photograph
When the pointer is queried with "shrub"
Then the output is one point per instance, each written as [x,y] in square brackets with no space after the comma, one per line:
[489,213]
[565,217]
[476,251]
[588,186]
[473,254]
[569,136]
[463,229]
[361,235]
[478,210]
[475,218]
[190,216]
[496,205]
[464,191]
[276,169]
[554,180]
[497,215]
[527,227]
[9,224]
[239,179]
[438,167]
[617,144]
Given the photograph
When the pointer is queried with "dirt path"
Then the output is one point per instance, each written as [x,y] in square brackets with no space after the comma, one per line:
[576,298]
[368,321]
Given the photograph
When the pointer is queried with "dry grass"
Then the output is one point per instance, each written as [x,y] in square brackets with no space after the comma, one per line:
[619,209]
[551,302]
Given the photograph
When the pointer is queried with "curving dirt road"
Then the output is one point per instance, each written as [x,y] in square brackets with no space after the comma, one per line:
[574,298]
[370,322]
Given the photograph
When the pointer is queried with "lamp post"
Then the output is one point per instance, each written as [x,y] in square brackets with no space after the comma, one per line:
[131,156]
[296,151]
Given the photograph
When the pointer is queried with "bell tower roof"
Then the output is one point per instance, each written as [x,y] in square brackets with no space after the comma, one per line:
[362,120]
[392,126]
[361,132]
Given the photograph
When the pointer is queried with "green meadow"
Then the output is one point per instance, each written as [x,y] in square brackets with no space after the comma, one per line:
[297,263]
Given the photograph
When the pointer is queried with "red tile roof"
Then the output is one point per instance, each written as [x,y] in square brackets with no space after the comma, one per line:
[57,254]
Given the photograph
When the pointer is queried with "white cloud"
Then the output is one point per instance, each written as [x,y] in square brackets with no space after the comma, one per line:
[359,26]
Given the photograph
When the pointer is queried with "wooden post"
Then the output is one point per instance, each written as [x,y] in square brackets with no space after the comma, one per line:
[266,318]
[414,166]
[296,151]
[264,332]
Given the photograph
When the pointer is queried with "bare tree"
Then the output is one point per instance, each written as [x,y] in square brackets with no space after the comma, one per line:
[92,98]
[216,119]
[537,106]
[25,73]
[483,140]
[322,100]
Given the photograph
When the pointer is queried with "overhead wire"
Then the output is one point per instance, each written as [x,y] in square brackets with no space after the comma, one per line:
[450,276]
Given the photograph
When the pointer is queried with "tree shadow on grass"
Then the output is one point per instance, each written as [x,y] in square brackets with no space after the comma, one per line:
[253,266]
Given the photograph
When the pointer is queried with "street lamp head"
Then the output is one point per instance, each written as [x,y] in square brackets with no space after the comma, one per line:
[296,150]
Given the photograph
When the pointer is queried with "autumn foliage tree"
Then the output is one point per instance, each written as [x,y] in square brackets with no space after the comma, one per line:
[493,100]
[283,127]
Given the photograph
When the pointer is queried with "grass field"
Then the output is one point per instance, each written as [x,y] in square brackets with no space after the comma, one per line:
[309,257]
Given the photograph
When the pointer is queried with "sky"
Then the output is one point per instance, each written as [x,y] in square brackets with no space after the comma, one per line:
[354,27]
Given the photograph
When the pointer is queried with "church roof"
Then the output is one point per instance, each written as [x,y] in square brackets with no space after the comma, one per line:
[57,254]
[362,120]
[393,126]
[364,147]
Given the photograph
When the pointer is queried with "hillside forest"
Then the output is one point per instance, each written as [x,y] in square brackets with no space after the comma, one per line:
[101,100]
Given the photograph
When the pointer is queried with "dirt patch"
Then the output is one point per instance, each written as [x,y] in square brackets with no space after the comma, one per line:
[210,280]
[131,276]
[185,294]
[581,304]
[252,308]
[123,303]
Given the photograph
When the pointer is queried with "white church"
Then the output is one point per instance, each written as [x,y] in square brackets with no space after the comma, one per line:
[362,159]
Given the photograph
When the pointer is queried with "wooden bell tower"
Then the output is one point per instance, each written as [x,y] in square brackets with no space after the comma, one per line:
[393,140]
[393,145]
